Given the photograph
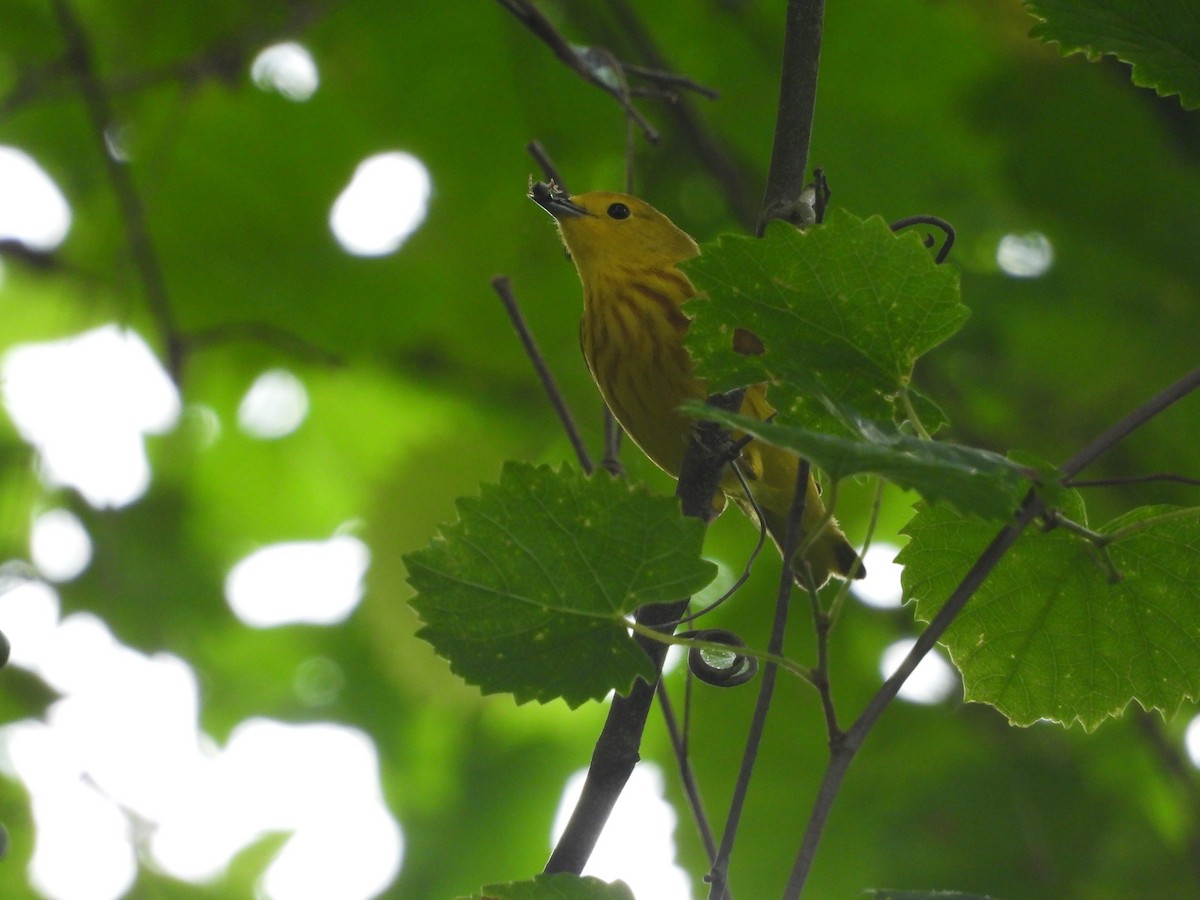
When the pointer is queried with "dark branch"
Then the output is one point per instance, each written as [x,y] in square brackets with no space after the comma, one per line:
[797,101]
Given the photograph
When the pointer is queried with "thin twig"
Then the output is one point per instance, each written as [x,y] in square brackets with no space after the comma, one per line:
[79,55]
[542,158]
[259,333]
[1120,481]
[503,289]
[713,153]
[670,79]
[822,624]
[578,61]
[719,874]
[687,776]
[224,60]
[612,444]
[1130,423]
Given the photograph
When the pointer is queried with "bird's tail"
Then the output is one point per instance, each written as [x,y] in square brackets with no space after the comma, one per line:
[830,555]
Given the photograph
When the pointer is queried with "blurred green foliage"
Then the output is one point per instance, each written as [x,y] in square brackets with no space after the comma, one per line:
[939,107]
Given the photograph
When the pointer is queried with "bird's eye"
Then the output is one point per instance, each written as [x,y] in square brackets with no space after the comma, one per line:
[618,211]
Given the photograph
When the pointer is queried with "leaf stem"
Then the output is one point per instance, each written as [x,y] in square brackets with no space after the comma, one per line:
[911,411]
[1134,527]
[766,657]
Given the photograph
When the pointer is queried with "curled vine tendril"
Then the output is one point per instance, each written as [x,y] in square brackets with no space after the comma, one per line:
[936,222]
[720,668]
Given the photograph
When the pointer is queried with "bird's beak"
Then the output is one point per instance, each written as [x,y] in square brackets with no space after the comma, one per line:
[555,201]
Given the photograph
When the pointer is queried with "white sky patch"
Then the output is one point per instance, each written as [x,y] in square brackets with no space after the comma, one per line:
[637,845]
[318,582]
[288,69]
[881,587]
[1026,255]
[86,403]
[932,681]
[32,208]
[275,405]
[59,545]
[385,201]
[124,740]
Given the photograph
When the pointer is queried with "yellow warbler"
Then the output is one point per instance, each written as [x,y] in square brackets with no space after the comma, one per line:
[632,337]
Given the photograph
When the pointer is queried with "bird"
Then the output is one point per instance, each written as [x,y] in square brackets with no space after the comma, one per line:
[632,337]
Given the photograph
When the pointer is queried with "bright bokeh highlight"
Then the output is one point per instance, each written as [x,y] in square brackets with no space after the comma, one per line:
[637,844]
[1026,255]
[119,756]
[32,208]
[275,406]
[1191,741]
[288,69]
[385,201]
[881,586]
[317,582]
[87,403]
[59,545]
[931,682]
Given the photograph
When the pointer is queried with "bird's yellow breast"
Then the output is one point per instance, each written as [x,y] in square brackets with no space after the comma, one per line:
[632,338]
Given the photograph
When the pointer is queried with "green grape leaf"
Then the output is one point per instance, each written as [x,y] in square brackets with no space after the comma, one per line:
[1049,635]
[1159,39]
[560,886]
[841,310]
[528,591]
[972,480]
